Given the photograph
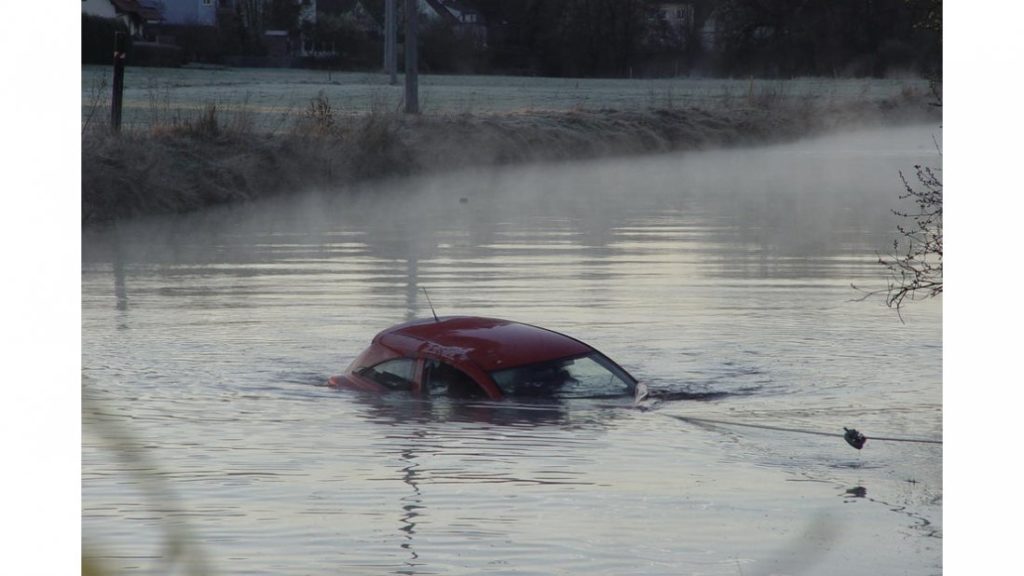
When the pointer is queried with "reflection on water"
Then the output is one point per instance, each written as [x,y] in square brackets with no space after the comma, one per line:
[410,505]
[721,279]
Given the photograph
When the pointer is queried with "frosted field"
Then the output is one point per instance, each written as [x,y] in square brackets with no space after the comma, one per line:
[271,99]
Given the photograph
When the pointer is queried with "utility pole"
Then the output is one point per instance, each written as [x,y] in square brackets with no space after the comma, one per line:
[412,98]
[117,97]
[391,40]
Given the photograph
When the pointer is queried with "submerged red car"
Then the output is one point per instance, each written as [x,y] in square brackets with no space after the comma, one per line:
[473,357]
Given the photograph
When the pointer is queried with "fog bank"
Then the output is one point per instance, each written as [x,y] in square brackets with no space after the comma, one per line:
[207,162]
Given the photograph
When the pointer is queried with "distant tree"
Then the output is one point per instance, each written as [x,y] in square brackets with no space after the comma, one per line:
[929,14]
[780,38]
[250,14]
[927,17]
[592,37]
[801,37]
[98,38]
[445,47]
[565,37]
[282,14]
[660,36]
[354,46]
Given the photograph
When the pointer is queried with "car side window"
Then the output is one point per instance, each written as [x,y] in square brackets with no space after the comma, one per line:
[443,379]
[394,374]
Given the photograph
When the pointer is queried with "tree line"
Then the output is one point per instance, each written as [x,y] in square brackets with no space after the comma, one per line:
[768,38]
[611,38]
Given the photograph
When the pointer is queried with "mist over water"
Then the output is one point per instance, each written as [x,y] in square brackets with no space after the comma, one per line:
[721,278]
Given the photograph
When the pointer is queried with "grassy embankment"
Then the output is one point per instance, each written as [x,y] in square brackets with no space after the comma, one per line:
[182,163]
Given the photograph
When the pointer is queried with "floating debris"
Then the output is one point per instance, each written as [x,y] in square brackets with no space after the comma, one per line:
[854,438]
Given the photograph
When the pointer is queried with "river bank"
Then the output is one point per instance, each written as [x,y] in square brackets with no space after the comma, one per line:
[210,158]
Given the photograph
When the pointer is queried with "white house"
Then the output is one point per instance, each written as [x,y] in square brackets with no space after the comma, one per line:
[100,8]
[465,18]
[134,13]
[192,12]
[454,11]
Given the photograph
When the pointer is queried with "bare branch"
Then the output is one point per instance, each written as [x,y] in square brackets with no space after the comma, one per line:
[915,265]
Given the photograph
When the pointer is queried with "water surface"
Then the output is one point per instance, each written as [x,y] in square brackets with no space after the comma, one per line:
[721,278]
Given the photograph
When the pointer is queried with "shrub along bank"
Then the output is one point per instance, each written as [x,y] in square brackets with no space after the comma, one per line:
[207,160]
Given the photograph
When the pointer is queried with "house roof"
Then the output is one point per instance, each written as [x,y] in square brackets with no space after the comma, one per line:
[142,9]
[460,6]
[441,10]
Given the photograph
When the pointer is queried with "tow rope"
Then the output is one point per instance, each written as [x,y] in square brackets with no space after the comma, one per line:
[852,436]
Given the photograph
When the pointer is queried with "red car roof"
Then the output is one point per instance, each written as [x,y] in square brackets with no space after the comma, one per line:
[490,343]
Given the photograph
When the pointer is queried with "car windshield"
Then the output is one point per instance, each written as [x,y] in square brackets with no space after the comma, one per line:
[587,376]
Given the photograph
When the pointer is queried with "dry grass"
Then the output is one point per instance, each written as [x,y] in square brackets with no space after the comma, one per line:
[97,102]
[211,155]
[319,117]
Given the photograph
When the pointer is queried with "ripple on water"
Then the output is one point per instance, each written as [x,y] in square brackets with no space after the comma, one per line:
[206,340]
